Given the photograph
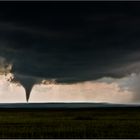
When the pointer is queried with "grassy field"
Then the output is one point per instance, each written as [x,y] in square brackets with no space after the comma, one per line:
[60,123]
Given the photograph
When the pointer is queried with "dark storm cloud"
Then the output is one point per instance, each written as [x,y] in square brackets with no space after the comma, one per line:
[70,42]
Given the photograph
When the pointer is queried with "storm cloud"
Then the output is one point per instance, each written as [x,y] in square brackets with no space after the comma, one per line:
[69,42]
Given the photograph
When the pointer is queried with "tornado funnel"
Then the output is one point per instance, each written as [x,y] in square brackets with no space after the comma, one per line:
[27,83]
[27,91]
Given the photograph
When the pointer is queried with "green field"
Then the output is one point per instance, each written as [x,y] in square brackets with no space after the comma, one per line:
[76,123]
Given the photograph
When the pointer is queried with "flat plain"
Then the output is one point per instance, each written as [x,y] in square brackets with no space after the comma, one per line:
[119,122]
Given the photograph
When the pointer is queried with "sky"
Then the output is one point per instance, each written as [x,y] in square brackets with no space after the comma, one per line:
[70,51]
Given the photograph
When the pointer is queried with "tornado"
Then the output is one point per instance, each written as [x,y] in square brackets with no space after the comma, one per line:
[27,91]
[27,83]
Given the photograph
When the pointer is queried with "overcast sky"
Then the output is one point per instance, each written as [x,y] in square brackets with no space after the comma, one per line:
[70,51]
